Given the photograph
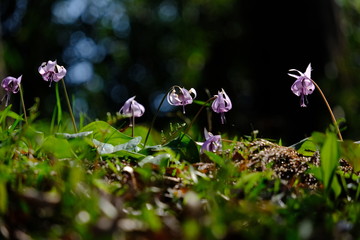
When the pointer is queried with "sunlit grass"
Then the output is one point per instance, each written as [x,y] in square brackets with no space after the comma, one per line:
[101,183]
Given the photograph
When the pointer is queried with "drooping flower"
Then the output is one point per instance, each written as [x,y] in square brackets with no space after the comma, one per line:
[303,84]
[212,143]
[51,71]
[221,104]
[132,108]
[11,85]
[179,96]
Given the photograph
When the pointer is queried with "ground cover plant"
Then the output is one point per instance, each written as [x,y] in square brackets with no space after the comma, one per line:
[115,179]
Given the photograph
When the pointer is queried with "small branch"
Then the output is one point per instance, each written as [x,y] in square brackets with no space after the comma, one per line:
[330,111]
[132,120]
[23,103]
[198,113]
[154,118]
[69,106]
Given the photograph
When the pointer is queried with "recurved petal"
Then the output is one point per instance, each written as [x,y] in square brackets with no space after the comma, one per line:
[295,70]
[207,134]
[41,69]
[137,109]
[228,104]
[193,91]
[6,82]
[16,84]
[126,109]
[47,67]
[293,75]
[216,104]
[61,72]
[173,98]
[185,97]
[50,66]
[308,71]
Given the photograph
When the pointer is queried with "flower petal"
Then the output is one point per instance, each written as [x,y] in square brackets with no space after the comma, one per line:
[222,103]
[60,74]
[295,70]
[179,96]
[132,108]
[50,66]
[11,84]
[50,71]
[207,134]
[297,87]
[193,91]
[212,144]
[308,71]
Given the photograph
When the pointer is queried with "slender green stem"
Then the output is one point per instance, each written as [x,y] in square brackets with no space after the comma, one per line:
[69,106]
[132,121]
[198,113]
[23,103]
[154,118]
[330,111]
[58,105]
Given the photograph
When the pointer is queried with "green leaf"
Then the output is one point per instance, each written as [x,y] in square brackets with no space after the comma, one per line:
[14,115]
[106,148]
[316,171]
[249,180]
[202,103]
[336,187]
[59,148]
[308,148]
[154,137]
[215,158]
[318,138]
[74,135]
[351,152]
[329,156]
[8,113]
[185,147]
[126,150]
[157,160]
[151,218]
[104,132]
[34,137]
[3,197]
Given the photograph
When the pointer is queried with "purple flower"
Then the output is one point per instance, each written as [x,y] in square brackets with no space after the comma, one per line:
[132,108]
[303,85]
[212,143]
[11,85]
[50,71]
[180,96]
[221,104]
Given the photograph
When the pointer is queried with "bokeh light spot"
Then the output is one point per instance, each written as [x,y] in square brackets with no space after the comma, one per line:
[80,72]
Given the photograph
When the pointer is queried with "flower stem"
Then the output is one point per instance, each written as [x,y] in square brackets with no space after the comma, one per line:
[132,120]
[330,111]
[69,106]
[58,106]
[154,118]
[198,113]
[23,103]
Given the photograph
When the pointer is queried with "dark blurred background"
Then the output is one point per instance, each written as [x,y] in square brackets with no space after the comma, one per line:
[115,49]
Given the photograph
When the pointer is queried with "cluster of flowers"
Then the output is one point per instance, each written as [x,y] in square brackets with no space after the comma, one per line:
[49,71]
[177,96]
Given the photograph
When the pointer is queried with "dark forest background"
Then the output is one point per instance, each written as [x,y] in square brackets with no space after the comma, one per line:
[115,49]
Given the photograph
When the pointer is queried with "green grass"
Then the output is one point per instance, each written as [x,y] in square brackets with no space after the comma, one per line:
[101,183]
